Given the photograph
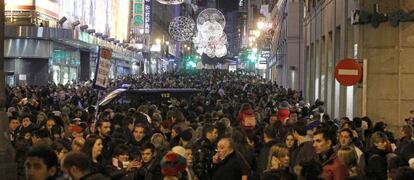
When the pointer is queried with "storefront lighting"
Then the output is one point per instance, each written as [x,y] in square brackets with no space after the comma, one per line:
[139,46]
[62,20]
[141,31]
[90,31]
[254,50]
[83,27]
[76,23]
[256,33]
[158,41]
[252,39]
[155,48]
[260,25]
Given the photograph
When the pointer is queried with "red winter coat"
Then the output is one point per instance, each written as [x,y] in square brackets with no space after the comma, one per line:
[333,169]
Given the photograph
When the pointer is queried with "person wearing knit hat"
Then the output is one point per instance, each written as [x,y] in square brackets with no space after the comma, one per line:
[283,112]
[172,164]
[179,150]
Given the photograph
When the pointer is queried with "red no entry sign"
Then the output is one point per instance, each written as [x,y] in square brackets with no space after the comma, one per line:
[348,72]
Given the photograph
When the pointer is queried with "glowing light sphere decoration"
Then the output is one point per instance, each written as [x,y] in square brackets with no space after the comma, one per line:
[211,44]
[211,39]
[211,28]
[211,15]
[182,28]
[171,2]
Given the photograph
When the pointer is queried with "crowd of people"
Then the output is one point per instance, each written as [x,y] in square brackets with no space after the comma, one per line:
[240,126]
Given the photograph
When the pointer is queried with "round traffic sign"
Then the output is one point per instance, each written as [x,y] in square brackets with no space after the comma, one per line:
[348,72]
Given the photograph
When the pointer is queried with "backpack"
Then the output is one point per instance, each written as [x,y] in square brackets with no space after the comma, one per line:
[249,121]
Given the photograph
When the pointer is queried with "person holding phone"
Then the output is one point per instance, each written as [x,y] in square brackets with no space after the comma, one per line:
[121,165]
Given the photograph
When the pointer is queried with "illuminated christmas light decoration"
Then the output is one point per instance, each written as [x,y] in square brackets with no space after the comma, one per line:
[211,14]
[171,2]
[182,28]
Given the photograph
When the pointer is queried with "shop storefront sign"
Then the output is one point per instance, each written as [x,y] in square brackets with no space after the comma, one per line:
[138,13]
[147,15]
[103,67]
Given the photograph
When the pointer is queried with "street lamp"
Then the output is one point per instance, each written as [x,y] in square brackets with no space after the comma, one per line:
[254,50]
[167,43]
[260,25]
[256,33]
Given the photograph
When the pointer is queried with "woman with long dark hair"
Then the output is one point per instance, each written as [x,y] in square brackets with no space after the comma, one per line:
[93,148]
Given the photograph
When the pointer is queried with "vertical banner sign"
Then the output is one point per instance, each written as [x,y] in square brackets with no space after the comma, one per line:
[147,17]
[102,68]
[138,13]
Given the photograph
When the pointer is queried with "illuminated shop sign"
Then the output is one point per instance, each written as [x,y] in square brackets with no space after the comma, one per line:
[147,19]
[138,14]
[21,5]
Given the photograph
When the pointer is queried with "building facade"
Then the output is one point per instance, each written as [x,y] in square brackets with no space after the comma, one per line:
[286,62]
[336,29]
[57,41]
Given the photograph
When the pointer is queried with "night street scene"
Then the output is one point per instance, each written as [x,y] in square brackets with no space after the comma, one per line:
[207,90]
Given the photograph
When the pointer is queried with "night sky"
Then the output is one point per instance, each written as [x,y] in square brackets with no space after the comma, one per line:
[229,5]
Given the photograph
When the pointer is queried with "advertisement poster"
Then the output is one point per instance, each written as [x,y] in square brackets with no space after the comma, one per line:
[103,67]
[109,17]
[19,5]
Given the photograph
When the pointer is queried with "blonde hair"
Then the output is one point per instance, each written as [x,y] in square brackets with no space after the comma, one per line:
[158,140]
[278,152]
[170,178]
[378,137]
[348,156]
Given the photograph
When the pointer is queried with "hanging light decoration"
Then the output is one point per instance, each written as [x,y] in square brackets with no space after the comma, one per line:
[182,28]
[171,2]
[211,39]
[211,14]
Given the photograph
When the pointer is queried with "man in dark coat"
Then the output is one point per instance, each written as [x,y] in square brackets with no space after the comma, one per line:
[269,140]
[79,167]
[405,148]
[104,131]
[227,164]
[205,148]
[150,168]
[305,150]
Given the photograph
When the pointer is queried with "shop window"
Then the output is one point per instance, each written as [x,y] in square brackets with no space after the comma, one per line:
[73,74]
[65,73]
[56,73]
